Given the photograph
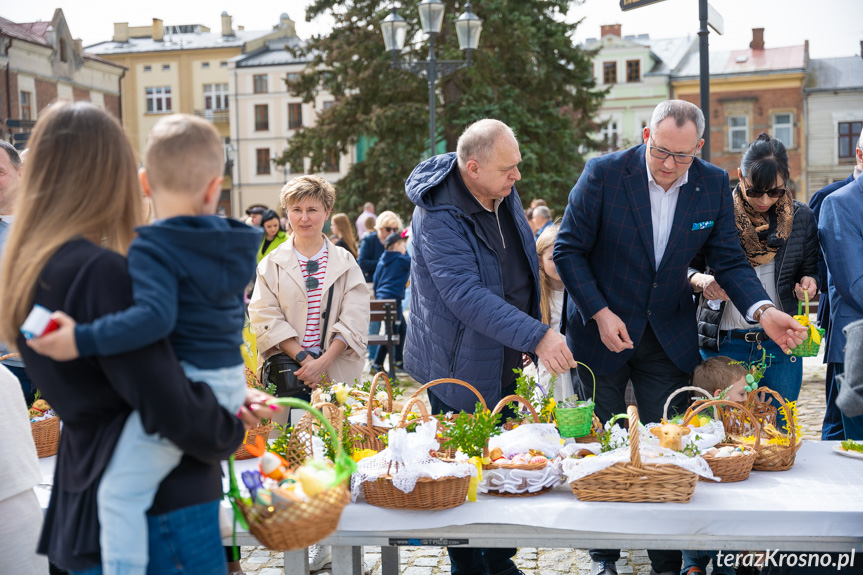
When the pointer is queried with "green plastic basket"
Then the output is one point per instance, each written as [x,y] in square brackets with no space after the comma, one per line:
[811,345]
[576,421]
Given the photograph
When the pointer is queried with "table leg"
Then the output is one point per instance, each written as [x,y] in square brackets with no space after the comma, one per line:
[297,561]
[389,560]
[347,560]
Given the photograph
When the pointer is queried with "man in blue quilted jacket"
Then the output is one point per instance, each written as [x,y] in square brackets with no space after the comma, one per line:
[475,288]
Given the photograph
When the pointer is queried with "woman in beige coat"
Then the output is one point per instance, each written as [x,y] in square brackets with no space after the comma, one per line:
[291,291]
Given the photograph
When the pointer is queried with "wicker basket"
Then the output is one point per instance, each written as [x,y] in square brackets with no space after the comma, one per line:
[772,457]
[46,436]
[443,453]
[577,421]
[522,466]
[299,446]
[635,481]
[595,428]
[734,421]
[728,469]
[300,524]
[814,336]
[366,435]
[428,494]
[262,431]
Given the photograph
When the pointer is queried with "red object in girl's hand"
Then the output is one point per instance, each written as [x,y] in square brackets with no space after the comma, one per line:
[38,322]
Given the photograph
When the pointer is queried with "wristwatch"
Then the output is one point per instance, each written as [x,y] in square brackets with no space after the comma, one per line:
[304,354]
[760,311]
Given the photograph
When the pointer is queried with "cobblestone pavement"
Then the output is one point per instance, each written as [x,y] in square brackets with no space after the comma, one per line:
[542,561]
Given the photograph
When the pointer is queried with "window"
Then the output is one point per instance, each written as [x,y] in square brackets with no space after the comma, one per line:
[633,70]
[328,105]
[63,50]
[783,129]
[293,77]
[262,118]
[262,156]
[609,134]
[158,99]
[215,96]
[849,132]
[609,72]
[148,68]
[738,132]
[205,65]
[295,116]
[26,99]
[166,67]
[260,83]
[223,64]
[332,162]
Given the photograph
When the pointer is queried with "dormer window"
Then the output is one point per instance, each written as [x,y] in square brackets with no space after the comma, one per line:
[62,50]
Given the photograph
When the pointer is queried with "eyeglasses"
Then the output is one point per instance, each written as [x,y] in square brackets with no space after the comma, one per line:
[312,267]
[662,154]
[391,230]
[774,193]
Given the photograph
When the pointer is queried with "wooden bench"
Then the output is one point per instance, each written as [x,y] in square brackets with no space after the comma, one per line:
[384,311]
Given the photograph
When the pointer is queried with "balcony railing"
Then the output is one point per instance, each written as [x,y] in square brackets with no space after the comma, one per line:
[215,116]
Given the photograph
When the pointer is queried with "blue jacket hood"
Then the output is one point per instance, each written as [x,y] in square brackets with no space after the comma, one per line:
[217,253]
[426,176]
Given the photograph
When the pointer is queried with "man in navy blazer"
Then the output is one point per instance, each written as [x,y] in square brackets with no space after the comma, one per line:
[831,427]
[840,232]
[634,221]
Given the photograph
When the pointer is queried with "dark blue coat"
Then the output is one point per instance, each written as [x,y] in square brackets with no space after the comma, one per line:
[391,276]
[840,230]
[604,254]
[459,321]
[370,252]
[188,275]
[815,203]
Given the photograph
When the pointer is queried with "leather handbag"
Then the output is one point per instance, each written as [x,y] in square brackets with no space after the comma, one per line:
[280,369]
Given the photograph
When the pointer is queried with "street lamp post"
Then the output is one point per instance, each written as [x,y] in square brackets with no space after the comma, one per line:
[468,28]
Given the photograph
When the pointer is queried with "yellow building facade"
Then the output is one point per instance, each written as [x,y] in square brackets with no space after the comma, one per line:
[181,69]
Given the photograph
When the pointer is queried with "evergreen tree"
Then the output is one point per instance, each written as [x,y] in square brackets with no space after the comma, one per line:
[527,73]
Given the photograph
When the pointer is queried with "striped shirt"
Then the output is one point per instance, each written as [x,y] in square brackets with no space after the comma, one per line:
[312,338]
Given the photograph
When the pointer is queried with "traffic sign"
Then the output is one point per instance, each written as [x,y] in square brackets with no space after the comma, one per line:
[633,4]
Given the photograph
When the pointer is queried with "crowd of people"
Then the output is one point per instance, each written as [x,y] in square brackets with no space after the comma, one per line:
[657,270]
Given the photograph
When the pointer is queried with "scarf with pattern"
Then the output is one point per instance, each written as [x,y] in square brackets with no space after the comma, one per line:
[762,233]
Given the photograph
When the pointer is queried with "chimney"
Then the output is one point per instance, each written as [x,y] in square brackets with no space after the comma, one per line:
[609,29]
[158,30]
[121,32]
[757,39]
[241,28]
[79,46]
[227,30]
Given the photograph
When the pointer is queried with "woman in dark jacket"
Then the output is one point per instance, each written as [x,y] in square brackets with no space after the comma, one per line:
[780,239]
[81,183]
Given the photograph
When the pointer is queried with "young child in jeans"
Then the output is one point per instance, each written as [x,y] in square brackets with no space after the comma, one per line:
[390,279]
[188,272]
[716,375]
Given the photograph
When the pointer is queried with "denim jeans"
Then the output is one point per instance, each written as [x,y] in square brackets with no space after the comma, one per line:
[784,376]
[374,329]
[700,559]
[182,542]
[139,464]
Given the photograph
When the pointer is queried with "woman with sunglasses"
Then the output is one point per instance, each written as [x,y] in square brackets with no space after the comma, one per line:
[372,245]
[291,301]
[780,239]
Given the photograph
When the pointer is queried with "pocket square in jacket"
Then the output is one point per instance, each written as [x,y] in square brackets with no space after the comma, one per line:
[702,225]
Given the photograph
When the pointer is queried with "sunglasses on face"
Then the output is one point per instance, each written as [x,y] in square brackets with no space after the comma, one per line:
[312,267]
[774,193]
[391,230]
